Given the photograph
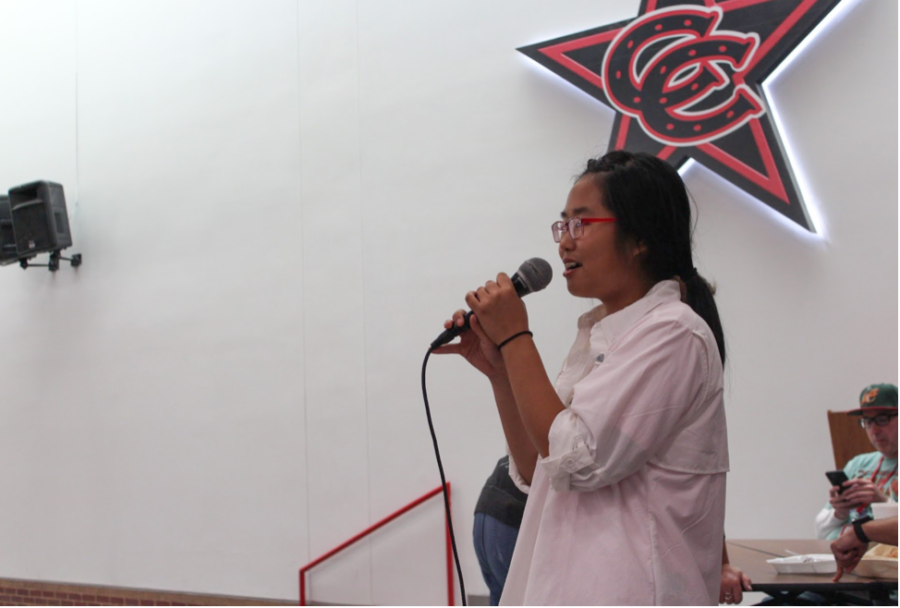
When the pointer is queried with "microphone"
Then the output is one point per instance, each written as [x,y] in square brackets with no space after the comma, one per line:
[533,275]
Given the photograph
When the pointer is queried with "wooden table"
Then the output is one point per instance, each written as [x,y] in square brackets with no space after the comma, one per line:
[751,555]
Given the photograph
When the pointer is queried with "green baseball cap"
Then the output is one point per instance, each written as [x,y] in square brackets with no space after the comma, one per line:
[876,398]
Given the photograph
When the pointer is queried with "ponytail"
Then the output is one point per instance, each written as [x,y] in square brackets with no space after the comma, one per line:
[699,296]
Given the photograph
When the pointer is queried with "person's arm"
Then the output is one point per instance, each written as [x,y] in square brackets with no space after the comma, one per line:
[627,410]
[836,513]
[635,403]
[827,523]
[849,548]
[535,397]
[499,315]
[521,449]
[841,503]
[733,583]
[882,530]
[482,353]
[624,412]
[862,492]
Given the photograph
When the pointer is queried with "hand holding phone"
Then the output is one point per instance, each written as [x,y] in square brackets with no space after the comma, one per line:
[838,479]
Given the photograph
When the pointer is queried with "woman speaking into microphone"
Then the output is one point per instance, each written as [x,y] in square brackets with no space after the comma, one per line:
[624,457]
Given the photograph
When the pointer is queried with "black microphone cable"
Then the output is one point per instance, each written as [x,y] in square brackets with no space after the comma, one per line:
[437,454]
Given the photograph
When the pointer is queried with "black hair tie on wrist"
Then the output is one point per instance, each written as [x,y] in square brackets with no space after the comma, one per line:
[513,337]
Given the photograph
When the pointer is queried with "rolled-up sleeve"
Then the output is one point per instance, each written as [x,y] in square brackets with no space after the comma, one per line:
[570,462]
[631,407]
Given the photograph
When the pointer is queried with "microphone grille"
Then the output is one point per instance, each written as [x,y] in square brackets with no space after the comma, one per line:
[536,274]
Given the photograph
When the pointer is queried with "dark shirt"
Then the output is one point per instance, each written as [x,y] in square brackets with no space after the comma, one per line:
[500,498]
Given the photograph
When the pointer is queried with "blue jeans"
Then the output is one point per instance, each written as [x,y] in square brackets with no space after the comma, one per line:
[494,544]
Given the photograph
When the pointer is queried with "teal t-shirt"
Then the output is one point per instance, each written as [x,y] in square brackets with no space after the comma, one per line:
[865,466]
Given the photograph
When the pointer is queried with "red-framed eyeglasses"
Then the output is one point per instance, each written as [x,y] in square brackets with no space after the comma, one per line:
[575,226]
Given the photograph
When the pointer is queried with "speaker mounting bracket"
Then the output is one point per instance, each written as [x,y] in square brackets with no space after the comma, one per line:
[53,263]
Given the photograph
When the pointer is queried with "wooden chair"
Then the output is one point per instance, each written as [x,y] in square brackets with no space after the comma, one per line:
[848,439]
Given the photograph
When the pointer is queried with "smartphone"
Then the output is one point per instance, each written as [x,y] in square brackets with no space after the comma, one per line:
[837,478]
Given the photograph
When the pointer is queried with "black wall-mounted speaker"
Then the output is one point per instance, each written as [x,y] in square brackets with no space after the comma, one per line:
[8,253]
[39,218]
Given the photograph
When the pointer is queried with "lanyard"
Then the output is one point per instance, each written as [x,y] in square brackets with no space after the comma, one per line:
[880,487]
[886,479]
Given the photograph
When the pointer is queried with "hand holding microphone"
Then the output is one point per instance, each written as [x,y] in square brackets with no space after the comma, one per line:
[499,311]
[474,346]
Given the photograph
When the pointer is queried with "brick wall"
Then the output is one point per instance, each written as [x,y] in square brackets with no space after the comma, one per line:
[38,593]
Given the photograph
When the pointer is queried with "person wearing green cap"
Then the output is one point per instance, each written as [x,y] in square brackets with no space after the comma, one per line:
[873,476]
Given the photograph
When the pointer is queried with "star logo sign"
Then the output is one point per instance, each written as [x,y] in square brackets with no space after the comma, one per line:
[685,80]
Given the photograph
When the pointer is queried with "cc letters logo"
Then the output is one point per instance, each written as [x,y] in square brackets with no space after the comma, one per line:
[681,95]
[685,79]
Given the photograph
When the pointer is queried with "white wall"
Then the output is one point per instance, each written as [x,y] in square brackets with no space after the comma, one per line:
[278,203]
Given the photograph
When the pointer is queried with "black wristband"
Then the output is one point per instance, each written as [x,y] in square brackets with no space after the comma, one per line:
[513,337]
[857,527]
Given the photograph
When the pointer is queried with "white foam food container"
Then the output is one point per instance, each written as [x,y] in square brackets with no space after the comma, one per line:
[813,563]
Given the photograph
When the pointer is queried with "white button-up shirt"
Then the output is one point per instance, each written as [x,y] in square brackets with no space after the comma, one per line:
[629,505]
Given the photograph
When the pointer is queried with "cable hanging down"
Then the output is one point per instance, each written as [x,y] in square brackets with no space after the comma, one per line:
[533,275]
[437,454]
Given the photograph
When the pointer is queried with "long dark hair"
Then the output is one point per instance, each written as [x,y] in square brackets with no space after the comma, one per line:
[651,206]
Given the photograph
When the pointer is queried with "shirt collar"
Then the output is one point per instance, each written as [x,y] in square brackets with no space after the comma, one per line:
[592,317]
[616,324]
